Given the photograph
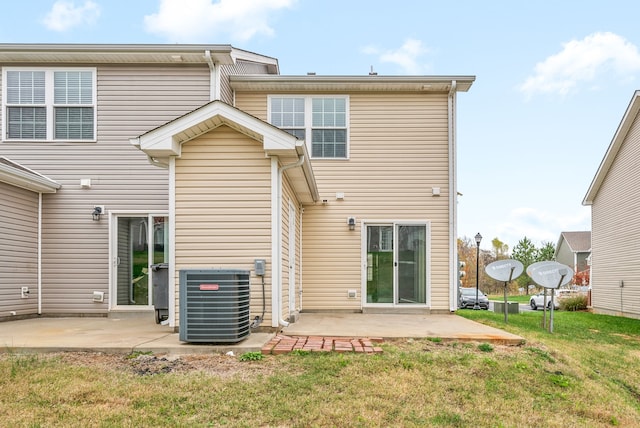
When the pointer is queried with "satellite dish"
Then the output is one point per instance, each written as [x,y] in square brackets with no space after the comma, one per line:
[538,265]
[504,270]
[550,274]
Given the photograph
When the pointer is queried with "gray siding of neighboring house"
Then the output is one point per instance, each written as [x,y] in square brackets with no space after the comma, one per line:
[131,100]
[581,260]
[565,255]
[18,250]
[615,215]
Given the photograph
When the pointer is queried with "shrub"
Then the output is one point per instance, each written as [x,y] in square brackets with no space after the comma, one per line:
[574,303]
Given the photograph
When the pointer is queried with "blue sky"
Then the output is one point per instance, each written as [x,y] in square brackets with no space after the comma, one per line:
[553,78]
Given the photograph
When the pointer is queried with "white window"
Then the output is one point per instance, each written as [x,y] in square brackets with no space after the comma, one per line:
[320,120]
[49,105]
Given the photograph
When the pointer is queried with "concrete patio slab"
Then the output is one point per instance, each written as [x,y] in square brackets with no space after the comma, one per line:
[110,335]
[127,334]
[445,327]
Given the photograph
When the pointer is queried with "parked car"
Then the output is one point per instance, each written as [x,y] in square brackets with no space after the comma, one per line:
[467,298]
[537,300]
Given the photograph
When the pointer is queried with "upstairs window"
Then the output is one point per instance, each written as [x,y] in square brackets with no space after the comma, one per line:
[320,120]
[49,105]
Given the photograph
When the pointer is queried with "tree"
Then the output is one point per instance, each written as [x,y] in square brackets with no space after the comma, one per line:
[546,252]
[526,253]
[467,255]
[467,250]
[500,249]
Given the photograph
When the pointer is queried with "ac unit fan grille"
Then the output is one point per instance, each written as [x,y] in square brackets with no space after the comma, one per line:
[214,305]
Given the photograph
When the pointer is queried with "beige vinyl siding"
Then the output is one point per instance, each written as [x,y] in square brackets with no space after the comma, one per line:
[131,100]
[18,250]
[289,197]
[223,208]
[398,151]
[615,236]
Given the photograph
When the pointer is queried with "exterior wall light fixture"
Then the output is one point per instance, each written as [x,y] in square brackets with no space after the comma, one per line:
[98,210]
[351,221]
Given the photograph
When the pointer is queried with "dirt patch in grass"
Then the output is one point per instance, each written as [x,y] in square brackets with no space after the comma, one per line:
[148,364]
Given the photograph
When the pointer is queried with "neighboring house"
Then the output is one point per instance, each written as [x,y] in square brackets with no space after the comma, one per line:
[203,156]
[614,197]
[573,249]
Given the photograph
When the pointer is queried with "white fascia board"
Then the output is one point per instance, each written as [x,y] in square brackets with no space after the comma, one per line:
[27,179]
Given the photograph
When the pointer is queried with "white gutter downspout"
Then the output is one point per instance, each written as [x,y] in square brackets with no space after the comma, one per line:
[276,242]
[301,210]
[172,242]
[39,254]
[214,87]
[453,198]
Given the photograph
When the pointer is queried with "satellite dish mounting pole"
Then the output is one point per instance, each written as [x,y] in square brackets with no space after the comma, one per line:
[506,310]
[562,273]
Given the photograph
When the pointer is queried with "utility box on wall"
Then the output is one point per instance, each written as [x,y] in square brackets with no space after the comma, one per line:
[214,305]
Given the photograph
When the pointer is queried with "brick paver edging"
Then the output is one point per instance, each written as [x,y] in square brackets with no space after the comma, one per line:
[282,344]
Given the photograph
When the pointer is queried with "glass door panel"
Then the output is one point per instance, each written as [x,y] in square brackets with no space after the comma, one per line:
[132,261]
[380,264]
[412,270]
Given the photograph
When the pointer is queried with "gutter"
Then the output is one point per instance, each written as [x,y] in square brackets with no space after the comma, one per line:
[276,214]
[453,198]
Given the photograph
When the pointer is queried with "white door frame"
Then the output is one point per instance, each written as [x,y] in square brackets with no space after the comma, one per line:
[113,254]
[364,274]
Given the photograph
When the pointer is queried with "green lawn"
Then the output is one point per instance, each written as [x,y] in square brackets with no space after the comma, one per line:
[585,374]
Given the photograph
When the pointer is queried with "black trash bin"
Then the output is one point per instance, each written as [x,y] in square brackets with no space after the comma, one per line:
[160,295]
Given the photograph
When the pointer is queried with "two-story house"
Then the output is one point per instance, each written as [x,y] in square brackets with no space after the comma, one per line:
[205,157]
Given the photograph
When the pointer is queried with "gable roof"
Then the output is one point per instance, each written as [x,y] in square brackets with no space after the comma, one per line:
[20,176]
[167,140]
[619,137]
[578,242]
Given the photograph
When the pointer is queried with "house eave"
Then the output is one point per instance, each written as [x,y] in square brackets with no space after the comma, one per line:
[167,140]
[267,83]
[24,53]
[19,176]
[621,134]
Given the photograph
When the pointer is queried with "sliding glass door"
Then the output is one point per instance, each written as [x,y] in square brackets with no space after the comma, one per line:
[396,263]
[141,241]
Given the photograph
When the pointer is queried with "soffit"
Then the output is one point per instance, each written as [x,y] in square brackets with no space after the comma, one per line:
[372,83]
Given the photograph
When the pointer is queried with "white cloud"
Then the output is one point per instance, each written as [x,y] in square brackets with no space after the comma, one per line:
[406,56]
[599,55]
[540,225]
[65,15]
[190,21]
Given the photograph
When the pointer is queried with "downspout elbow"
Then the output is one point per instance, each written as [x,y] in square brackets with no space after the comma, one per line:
[155,162]
[298,163]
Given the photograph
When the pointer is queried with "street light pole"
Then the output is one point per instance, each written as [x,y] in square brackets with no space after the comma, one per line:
[476,306]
